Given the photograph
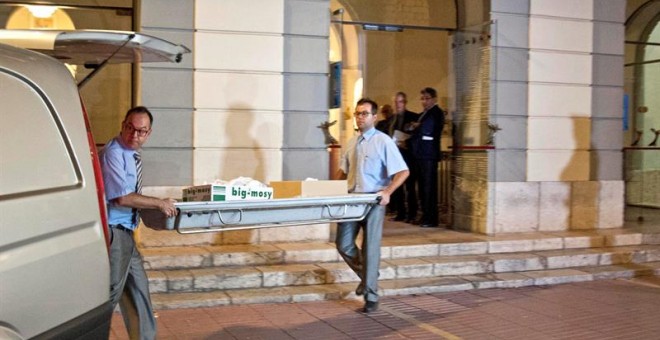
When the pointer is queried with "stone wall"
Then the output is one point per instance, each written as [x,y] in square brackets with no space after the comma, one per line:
[247,102]
[556,93]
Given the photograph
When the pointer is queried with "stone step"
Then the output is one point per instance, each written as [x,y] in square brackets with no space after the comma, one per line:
[395,246]
[388,287]
[337,272]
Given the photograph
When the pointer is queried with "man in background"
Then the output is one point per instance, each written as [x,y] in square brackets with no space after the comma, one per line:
[385,125]
[425,147]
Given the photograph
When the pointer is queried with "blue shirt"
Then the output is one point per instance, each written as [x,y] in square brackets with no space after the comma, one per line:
[119,179]
[370,161]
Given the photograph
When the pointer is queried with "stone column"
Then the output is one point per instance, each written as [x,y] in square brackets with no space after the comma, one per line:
[167,90]
[556,92]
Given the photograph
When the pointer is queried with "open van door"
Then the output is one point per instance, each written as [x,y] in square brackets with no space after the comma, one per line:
[94,49]
[51,226]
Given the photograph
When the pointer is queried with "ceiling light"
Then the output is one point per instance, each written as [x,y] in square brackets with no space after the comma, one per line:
[42,12]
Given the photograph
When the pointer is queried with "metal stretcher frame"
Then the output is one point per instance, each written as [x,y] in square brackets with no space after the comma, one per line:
[202,217]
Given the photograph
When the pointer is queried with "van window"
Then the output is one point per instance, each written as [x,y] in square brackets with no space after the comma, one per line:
[34,155]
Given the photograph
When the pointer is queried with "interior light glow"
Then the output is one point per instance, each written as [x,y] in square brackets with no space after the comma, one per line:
[42,12]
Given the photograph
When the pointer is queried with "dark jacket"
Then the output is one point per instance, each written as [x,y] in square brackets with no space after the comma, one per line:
[425,141]
[403,120]
[384,125]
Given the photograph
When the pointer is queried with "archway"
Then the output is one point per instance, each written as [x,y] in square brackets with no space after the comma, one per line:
[642,108]
[345,50]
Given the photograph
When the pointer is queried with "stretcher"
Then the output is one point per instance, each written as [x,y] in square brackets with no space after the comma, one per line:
[202,217]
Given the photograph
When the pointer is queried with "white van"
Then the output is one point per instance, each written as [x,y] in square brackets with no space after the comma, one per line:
[54,268]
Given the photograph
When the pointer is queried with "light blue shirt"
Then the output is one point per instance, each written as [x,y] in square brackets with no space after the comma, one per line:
[370,161]
[119,179]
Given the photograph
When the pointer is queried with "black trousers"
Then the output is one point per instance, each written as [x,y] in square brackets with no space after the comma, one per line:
[428,190]
[404,199]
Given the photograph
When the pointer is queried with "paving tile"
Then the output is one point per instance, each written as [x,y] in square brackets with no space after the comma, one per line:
[418,250]
[292,275]
[548,277]
[423,286]
[256,254]
[223,278]
[583,240]
[499,280]
[510,246]
[570,258]
[499,294]
[175,257]
[517,262]
[459,265]
[619,271]
[465,299]
[548,243]
[157,281]
[462,248]
[190,300]
[622,238]
[412,267]
[308,252]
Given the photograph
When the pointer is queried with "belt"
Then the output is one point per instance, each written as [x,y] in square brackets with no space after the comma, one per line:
[121,227]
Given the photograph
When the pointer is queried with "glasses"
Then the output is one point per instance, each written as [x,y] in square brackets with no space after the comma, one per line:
[361,114]
[426,98]
[140,132]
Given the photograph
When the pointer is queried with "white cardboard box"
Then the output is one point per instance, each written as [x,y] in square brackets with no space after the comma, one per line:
[214,192]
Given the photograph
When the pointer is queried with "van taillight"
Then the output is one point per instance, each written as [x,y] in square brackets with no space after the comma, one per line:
[98,176]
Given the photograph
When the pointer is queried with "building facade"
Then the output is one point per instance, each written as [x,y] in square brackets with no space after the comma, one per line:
[547,76]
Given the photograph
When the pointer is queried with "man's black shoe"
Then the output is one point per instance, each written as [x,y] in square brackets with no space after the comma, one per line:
[370,306]
[428,225]
[398,219]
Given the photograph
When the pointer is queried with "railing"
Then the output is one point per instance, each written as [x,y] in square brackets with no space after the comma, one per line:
[444,183]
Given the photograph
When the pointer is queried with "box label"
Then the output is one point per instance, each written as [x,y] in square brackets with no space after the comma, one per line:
[225,193]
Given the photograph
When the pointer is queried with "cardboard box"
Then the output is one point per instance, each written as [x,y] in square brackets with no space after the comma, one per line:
[291,189]
[213,192]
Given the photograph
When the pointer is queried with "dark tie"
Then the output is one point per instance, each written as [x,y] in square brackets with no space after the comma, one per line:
[138,171]
[138,184]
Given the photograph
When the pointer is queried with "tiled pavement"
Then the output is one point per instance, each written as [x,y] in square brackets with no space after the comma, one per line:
[608,309]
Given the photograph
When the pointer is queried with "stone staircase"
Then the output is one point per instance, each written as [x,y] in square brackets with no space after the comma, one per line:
[414,261]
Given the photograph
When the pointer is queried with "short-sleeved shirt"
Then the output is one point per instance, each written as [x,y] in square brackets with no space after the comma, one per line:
[119,179]
[370,161]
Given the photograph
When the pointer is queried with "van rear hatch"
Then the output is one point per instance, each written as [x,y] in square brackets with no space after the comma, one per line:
[95,48]
[81,47]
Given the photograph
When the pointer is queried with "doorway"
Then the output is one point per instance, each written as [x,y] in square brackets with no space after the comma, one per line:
[642,113]
[398,48]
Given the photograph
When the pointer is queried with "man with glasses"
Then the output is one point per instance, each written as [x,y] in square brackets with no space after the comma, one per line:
[121,165]
[372,164]
[425,147]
